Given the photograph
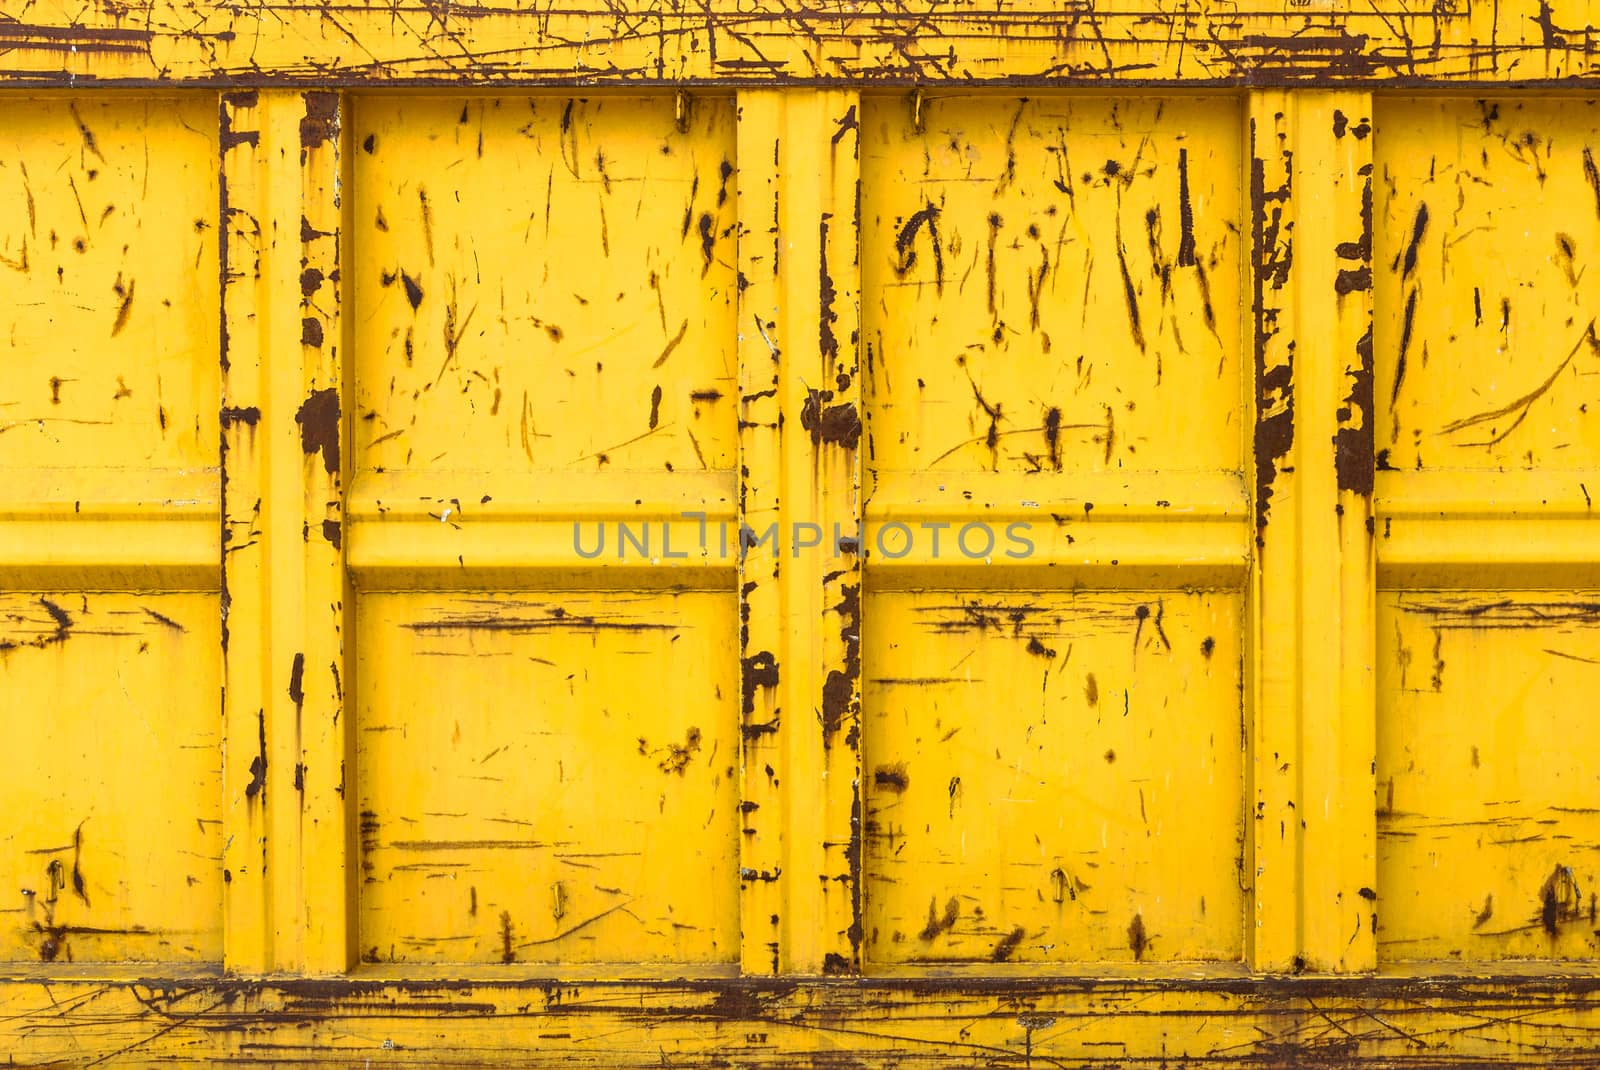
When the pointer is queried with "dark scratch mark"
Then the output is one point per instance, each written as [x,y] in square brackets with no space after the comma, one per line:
[905,245]
[1008,944]
[892,777]
[938,924]
[672,344]
[163,620]
[124,304]
[1186,256]
[1525,402]
[1592,174]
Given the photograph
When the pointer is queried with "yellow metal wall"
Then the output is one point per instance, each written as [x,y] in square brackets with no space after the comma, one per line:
[325,742]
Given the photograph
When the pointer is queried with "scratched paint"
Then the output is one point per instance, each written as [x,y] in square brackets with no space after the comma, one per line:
[547,779]
[1488,219]
[1054,284]
[1278,1023]
[1487,821]
[109,214]
[478,347]
[1033,42]
[111,848]
[1099,818]
[954,777]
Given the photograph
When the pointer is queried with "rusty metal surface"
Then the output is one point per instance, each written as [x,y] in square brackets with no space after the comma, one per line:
[1271,749]
[768,43]
[1092,1023]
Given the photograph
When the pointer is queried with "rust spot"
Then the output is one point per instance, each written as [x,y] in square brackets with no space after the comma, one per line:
[258,764]
[707,240]
[1351,280]
[655,407]
[677,756]
[311,332]
[838,698]
[248,415]
[1353,456]
[333,532]
[1560,899]
[508,953]
[297,672]
[827,344]
[228,137]
[413,290]
[319,427]
[1274,432]
[840,701]
[1138,939]
[759,671]
[1052,435]
[839,425]
[321,122]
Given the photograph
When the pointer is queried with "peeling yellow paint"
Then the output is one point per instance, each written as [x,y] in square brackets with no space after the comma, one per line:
[1255,729]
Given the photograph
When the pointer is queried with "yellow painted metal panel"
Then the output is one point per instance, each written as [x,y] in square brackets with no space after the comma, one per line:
[110,781]
[1053,283]
[1486,775]
[111,348]
[1162,328]
[1055,778]
[1310,655]
[547,779]
[284,670]
[1488,217]
[111,785]
[801,462]
[545,283]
